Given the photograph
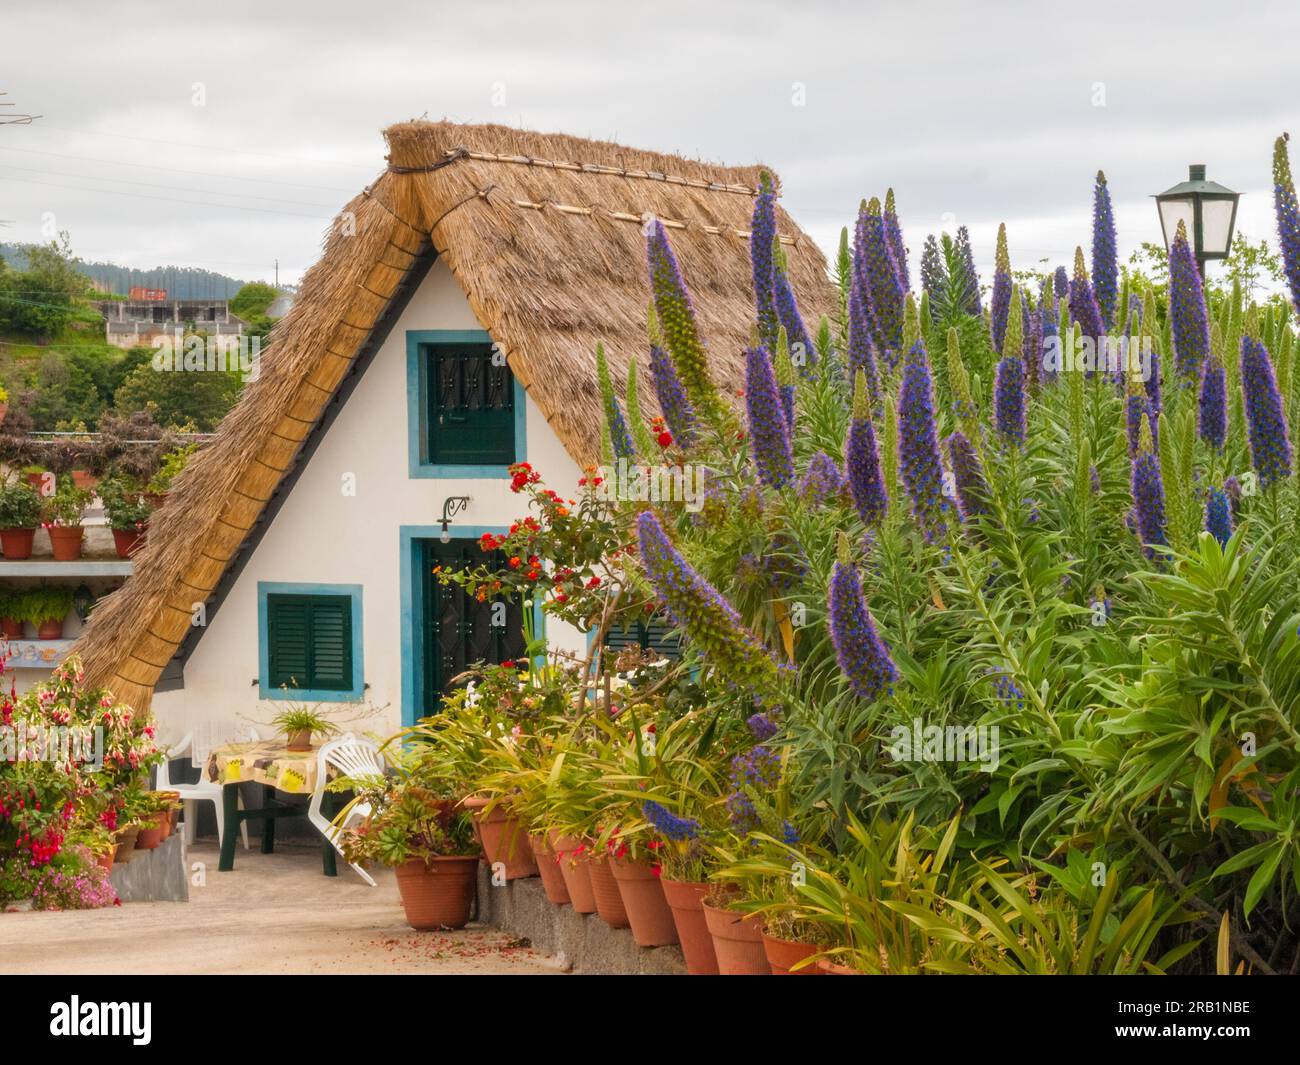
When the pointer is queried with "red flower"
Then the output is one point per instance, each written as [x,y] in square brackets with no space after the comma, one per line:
[665,439]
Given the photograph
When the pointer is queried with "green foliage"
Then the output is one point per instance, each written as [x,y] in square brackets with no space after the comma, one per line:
[20,506]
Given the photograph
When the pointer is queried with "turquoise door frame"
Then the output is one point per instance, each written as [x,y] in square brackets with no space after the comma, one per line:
[414,638]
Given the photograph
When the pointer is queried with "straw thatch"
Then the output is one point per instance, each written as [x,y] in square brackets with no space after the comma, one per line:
[543,232]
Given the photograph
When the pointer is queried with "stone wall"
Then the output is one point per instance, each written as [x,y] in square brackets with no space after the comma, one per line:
[583,941]
[159,875]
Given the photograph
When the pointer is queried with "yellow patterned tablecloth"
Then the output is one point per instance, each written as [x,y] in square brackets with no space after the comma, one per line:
[264,762]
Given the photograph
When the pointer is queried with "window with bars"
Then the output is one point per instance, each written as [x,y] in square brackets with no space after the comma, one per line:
[469,406]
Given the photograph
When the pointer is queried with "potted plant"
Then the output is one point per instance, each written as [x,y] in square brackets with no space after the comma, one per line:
[435,857]
[11,616]
[61,515]
[20,513]
[4,403]
[300,723]
[46,607]
[159,486]
[128,511]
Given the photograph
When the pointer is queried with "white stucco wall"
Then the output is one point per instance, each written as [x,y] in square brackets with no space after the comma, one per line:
[321,536]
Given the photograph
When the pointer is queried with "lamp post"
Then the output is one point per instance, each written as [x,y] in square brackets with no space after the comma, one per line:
[1207,209]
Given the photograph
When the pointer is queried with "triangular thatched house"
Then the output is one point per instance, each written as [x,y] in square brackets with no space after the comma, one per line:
[296,547]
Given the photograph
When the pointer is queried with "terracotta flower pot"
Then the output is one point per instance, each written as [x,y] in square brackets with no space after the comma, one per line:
[126,843]
[36,480]
[503,838]
[12,628]
[438,894]
[832,968]
[65,542]
[784,954]
[156,499]
[84,479]
[548,867]
[643,901]
[150,836]
[17,543]
[128,541]
[50,629]
[299,740]
[105,860]
[737,941]
[609,903]
[685,898]
[576,873]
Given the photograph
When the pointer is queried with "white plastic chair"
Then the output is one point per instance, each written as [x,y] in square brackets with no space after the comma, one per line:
[353,758]
[205,790]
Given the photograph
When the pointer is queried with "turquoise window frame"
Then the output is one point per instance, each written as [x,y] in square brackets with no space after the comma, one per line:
[417,404]
[411,622]
[317,695]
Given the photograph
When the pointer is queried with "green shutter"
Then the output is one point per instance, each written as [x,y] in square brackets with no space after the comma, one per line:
[309,640]
[469,415]
[655,635]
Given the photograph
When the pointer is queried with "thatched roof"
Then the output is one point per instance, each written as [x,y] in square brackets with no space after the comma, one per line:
[543,233]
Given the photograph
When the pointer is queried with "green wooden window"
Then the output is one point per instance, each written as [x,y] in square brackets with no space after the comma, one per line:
[654,635]
[309,642]
[469,417]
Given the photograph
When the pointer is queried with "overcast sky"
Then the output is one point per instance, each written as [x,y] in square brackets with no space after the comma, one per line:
[974,113]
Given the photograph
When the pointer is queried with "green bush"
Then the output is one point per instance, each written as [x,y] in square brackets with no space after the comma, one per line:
[20,506]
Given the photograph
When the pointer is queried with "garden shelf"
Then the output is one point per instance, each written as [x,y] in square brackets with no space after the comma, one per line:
[82,567]
[37,654]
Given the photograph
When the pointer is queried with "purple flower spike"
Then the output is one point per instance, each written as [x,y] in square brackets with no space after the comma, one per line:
[1270,443]
[676,316]
[972,489]
[1009,398]
[862,348]
[1083,303]
[879,275]
[1153,382]
[698,609]
[918,447]
[1061,282]
[1189,320]
[863,656]
[821,481]
[1148,498]
[862,459]
[769,432]
[1105,267]
[1136,409]
[932,271]
[1001,299]
[802,352]
[894,234]
[1288,217]
[762,235]
[1213,424]
[678,413]
[974,306]
[1218,515]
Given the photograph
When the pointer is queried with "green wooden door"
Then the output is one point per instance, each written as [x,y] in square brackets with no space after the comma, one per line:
[456,630]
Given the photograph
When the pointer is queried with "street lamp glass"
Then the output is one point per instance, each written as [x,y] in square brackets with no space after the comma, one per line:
[1172,212]
[1216,226]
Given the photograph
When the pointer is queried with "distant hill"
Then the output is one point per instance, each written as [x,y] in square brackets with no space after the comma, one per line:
[181,282]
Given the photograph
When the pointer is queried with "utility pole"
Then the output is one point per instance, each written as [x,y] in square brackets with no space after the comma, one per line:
[277,274]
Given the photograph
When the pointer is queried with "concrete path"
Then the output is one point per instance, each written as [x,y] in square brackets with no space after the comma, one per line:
[274,913]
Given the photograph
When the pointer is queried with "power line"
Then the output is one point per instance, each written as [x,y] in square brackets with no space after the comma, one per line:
[213,148]
[168,188]
[166,199]
[174,170]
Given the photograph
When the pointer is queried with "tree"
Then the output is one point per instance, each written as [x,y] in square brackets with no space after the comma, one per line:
[253,299]
[180,396]
[41,300]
